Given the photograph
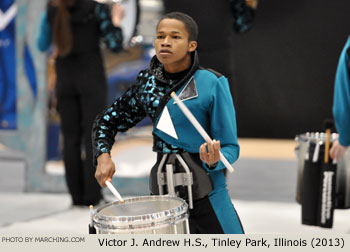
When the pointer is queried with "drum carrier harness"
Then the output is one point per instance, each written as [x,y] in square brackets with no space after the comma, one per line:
[182,175]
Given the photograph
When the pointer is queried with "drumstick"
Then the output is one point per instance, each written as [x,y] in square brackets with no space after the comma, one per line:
[114,191]
[91,215]
[327,145]
[328,126]
[199,128]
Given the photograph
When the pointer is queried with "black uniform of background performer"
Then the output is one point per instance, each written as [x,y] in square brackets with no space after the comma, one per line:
[81,86]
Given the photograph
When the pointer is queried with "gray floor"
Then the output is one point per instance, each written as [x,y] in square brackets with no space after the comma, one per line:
[263,180]
[263,192]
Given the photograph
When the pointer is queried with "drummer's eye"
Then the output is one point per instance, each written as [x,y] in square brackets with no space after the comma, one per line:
[176,37]
[160,37]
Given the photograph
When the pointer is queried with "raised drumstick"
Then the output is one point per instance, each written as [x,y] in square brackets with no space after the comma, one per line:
[199,128]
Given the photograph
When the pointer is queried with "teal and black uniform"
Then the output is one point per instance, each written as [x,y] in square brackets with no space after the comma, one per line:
[341,102]
[211,104]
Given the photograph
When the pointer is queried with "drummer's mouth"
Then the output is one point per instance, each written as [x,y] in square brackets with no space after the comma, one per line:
[165,52]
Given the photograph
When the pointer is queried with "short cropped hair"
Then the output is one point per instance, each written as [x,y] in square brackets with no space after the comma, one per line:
[190,24]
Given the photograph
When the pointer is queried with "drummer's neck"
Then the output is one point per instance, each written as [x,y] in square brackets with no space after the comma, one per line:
[179,66]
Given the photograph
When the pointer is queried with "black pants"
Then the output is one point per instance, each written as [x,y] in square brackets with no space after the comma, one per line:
[80,98]
[202,218]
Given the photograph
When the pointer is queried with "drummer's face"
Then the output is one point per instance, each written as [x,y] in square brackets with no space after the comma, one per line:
[172,45]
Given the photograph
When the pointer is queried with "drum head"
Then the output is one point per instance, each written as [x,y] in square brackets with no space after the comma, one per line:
[130,20]
[139,207]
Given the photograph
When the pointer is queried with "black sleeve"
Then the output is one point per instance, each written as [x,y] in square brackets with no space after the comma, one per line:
[243,14]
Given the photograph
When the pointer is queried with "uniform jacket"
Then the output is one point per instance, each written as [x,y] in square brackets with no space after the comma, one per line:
[341,103]
[207,96]
[210,102]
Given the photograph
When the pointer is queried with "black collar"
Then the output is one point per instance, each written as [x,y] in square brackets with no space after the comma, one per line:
[157,68]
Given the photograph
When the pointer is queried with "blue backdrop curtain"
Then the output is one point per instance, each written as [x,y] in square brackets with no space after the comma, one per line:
[7,65]
[8,115]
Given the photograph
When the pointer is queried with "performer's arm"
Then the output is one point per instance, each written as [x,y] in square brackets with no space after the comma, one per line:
[124,113]
[341,103]
[243,14]
[223,124]
[109,26]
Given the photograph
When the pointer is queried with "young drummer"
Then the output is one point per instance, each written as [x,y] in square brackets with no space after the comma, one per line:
[175,67]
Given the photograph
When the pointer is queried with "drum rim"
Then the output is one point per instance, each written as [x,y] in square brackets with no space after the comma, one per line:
[141,221]
[141,227]
[314,137]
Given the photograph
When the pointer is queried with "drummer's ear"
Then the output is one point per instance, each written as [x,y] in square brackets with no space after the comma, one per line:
[192,46]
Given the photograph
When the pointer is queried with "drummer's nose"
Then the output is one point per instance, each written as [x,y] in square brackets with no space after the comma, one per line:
[166,42]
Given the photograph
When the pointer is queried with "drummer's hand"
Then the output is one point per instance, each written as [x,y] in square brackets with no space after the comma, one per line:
[117,13]
[211,156]
[105,169]
[337,151]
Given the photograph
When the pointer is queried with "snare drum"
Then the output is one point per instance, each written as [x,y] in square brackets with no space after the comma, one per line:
[143,215]
[343,166]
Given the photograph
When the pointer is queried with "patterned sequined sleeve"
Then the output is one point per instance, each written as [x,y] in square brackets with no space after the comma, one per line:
[122,115]
[111,35]
[243,14]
